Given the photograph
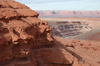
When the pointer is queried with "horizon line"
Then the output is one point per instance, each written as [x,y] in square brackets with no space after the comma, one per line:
[66,10]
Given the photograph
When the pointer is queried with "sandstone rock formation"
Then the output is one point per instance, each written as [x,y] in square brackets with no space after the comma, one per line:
[25,40]
[68,13]
[20,31]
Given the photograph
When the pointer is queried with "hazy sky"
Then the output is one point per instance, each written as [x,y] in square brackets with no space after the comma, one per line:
[62,4]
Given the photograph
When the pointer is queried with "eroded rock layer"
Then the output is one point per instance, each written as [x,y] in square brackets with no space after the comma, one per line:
[69,27]
[20,32]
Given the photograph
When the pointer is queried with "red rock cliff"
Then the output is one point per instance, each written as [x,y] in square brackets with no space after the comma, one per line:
[20,31]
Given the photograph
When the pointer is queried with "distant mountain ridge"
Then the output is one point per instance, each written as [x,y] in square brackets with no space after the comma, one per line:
[66,13]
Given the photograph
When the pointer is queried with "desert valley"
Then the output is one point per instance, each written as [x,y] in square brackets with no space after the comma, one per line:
[71,26]
[48,38]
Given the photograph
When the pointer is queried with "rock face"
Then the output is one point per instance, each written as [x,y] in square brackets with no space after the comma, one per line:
[20,31]
[25,40]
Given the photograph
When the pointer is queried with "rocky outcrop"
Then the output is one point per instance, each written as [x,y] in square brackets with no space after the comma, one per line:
[20,32]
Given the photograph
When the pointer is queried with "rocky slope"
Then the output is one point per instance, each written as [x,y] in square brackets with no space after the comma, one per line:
[66,13]
[25,40]
[93,35]
[85,52]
